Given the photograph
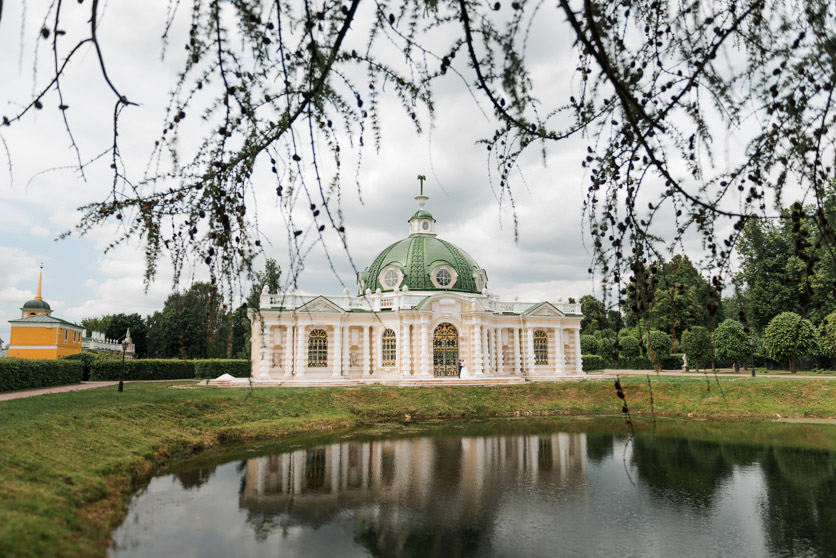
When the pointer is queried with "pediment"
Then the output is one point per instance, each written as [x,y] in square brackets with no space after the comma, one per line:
[320,304]
[546,309]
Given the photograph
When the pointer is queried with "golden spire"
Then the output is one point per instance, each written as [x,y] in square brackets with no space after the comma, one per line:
[38,296]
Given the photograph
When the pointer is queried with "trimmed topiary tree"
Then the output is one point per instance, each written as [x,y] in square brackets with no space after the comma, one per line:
[696,343]
[628,347]
[731,342]
[659,342]
[788,336]
[589,345]
[605,348]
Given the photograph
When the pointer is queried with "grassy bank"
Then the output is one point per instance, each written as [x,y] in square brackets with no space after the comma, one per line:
[69,462]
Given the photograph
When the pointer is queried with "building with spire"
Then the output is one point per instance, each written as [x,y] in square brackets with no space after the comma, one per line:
[37,334]
[423,304]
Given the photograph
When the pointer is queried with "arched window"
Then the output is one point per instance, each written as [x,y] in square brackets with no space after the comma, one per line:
[318,349]
[541,347]
[390,345]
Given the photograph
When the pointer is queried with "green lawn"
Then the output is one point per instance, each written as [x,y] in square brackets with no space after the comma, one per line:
[69,462]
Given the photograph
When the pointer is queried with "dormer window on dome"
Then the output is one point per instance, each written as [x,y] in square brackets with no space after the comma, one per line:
[444,276]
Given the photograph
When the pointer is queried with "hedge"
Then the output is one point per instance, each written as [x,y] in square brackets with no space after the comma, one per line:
[86,359]
[593,362]
[212,368]
[20,373]
[142,369]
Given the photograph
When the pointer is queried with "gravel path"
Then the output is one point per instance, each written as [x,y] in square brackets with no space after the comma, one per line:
[57,389]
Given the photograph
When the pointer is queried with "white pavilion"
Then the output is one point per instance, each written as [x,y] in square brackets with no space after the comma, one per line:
[422,305]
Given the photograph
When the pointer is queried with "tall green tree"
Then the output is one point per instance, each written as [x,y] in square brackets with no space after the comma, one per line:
[594,315]
[672,296]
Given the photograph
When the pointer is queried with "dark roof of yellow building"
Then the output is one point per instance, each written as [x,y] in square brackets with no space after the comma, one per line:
[44,319]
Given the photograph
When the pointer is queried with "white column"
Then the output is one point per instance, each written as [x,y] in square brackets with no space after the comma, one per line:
[515,332]
[405,352]
[578,357]
[486,353]
[529,352]
[346,345]
[477,348]
[289,353]
[560,358]
[338,351]
[301,353]
[497,349]
[365,362]
[424,349]
[264,365]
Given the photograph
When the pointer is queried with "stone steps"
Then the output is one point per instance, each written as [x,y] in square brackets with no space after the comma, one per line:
[387,381]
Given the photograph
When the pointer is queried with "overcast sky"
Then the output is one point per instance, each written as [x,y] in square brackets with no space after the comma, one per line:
[39,197]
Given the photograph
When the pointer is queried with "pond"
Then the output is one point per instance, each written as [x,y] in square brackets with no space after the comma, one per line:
[580,487]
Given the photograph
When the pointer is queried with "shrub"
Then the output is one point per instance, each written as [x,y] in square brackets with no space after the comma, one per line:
[19,373]
[628,347]
[212,368]
[731,342]
[788,336]
[605,348]
[696,343]
[589,345]
[634,363]
[671,362]
[143,369]
[593,362]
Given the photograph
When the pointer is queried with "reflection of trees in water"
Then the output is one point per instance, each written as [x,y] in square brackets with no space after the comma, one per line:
[799,508]
[800,511]
[599,447]
[681,470]
[194,478]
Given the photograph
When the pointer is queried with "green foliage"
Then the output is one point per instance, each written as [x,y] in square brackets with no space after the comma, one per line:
[19,373]
[99,324]
[594,315]
[827,335]
[212,368]
[672,362]
[192,324]
[659,341]
[671,297]
[605,349]
[86,359]
[628,347]
[731,342]
[593,362]
[789,336]
[142,369]
[271,277]
[589,345]
[696,343]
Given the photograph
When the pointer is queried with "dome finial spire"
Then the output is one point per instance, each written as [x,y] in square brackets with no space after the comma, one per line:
[421,198]
[40,278]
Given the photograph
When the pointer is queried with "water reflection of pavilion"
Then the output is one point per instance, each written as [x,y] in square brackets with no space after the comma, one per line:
[441,478]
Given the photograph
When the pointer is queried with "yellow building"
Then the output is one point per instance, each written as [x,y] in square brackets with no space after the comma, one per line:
[40,335]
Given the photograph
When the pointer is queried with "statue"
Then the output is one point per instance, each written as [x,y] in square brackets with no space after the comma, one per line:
[685,363]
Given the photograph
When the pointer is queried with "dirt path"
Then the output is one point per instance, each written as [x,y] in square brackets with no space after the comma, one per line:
[57,389]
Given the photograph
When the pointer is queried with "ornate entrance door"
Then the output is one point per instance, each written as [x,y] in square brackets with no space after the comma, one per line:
[445,350]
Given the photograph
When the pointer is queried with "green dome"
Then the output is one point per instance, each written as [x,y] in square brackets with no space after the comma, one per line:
[419,256]
[36,305]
